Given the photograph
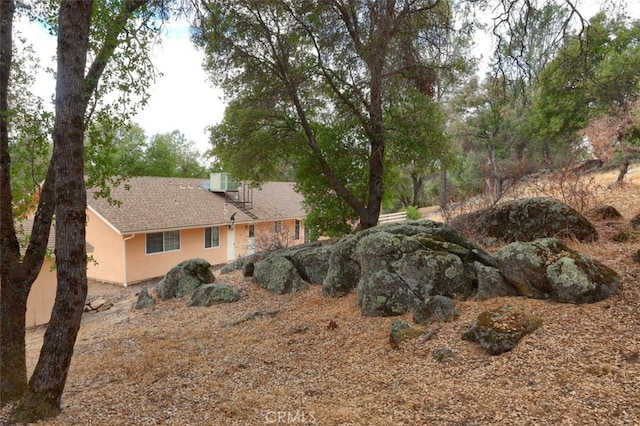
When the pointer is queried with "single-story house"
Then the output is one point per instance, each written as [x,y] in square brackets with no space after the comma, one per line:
[43,290]
[42,295]
[158,222]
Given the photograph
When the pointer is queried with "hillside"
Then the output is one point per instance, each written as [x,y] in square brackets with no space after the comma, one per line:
[178,365]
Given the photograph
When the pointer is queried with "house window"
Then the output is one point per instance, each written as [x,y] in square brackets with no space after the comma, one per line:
[277,226]
[163,241]
[252,231]
[296,230]
[211,237]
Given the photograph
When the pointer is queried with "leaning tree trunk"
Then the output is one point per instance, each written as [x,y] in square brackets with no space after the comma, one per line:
[13,301]
[43,396]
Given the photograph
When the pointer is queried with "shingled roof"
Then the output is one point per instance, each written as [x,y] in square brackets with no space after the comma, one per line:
[154,204]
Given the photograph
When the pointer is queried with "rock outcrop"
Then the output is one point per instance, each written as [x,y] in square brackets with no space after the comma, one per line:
[184,278]
[548,269]
[528,220]
[208,294]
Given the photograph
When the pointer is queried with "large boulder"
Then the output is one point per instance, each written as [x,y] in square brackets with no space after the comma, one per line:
[345,268]
[546,268]
[499,330]
[492,283]
[278,275]
[343,272]
[312,261]
[292,269]
[527,220]
[403,265]
[184,278]
[208,294]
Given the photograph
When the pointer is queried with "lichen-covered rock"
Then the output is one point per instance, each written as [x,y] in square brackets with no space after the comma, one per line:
[240,263]
[383,293]
[278,275]
[343,272]
[444,355]
[402,331]
[398,272]
[346,266]
[145,299]
[527,220]
[184,278]
[491,283]
[577,278]
[604,213]
[547,268]
[208,294]
[312,261]
[437,308]
[499,330]
[524,265]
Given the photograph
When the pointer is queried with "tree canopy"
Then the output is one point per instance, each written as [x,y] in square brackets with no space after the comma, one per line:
[300,72]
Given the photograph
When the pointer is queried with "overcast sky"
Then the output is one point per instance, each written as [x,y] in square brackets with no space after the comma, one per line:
[183,98]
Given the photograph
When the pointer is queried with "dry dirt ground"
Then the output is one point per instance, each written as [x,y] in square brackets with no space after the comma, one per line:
[180,365]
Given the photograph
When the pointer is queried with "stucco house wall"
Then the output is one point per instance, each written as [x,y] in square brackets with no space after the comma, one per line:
[42,296]
[157,205]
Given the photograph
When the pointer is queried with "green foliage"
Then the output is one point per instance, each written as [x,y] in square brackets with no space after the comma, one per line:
[413,213]
[311,86]
[591,75]
[31,125]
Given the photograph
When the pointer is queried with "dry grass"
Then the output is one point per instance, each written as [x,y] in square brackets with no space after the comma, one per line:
[172,364]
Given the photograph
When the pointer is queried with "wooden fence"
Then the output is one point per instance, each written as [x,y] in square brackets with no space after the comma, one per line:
[392,217]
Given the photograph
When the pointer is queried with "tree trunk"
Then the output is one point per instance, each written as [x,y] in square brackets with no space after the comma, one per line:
[443,188]
[623,170]
[42,399]
[13,300]
[417,188]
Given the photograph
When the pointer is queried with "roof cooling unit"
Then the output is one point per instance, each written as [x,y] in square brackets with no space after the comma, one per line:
[221,182]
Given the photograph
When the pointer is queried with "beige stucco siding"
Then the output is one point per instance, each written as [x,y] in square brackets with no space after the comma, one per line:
[142,266]
[42,296]
[107,256]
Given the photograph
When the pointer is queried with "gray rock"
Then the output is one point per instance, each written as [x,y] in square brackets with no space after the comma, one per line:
[577,278]
[184,278]
[491,283]
[312,261]
[343,272]
[346,266]
[383,293]
[278,275]
[437,308]
[527,220]
[524,265]
[444,355]
[499,330]
[546,268]
[401,331]
[208,294]
[399,272]
[145,299]
[240,263]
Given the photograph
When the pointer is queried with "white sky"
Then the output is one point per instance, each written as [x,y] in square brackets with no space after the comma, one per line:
[183,99]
